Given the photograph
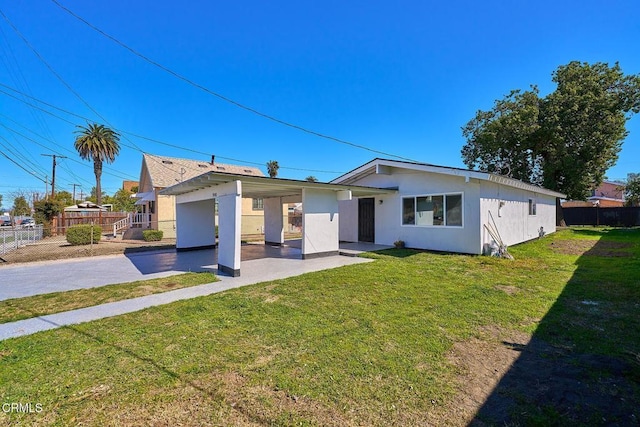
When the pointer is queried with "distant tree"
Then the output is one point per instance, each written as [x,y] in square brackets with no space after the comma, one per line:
[311,178]
[632,190]
[20,206]
[94,198]
[122,201]
[565,141]
[45,211]
[99,144]
[272,168]
[0,201]
[65,198]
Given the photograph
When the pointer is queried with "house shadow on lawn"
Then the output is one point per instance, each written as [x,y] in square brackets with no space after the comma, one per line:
[582,365]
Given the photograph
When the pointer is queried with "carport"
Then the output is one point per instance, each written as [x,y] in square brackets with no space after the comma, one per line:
[196,211]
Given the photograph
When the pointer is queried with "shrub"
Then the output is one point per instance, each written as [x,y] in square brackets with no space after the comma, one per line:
[81,234]
[399,244]
[152,235]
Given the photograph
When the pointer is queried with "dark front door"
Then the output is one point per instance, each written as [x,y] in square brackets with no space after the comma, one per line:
[366,220]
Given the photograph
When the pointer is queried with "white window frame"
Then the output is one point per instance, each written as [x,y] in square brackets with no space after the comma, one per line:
[257,204]
[444,198]
[532,206]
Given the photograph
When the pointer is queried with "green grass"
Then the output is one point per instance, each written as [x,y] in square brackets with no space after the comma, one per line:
[366,344]
[39,305]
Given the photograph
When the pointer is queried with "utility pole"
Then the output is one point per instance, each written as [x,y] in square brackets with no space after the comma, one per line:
[53,174]
[74,191]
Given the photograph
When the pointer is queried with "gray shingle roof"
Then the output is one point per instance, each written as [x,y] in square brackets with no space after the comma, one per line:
[168,171]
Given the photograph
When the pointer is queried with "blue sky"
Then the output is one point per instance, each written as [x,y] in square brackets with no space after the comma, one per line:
[400,77]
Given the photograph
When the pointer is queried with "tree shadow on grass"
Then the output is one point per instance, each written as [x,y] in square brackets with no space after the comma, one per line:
[582,365]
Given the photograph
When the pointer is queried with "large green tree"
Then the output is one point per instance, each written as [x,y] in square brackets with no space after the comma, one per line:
[99,144]
[565,141]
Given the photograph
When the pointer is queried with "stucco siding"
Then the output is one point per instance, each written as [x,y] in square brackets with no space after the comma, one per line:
[319,222]
[348,220]
[165,215]
[388,211]
[513,220]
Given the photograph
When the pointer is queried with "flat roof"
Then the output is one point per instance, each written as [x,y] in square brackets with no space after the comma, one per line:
[265,187]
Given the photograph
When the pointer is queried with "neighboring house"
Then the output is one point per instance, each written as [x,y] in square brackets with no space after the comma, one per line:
[159,211]
[130,186]
[443,208]
[608,195]
[86,206]
[578,204]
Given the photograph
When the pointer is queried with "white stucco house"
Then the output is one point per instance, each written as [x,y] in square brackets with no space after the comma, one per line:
[443,208]
[426,206]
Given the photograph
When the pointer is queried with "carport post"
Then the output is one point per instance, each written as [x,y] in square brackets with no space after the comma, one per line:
[273,221]
[319,223]
[229,225]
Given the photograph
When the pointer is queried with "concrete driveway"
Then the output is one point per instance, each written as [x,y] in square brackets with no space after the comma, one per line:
[53,276]
[23,280]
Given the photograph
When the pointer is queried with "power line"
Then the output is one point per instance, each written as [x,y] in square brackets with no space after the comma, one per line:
[121,131]
[20,81]
[19,154]
[58,76]
[53,174]
[21,167]
[121,175]
[218,95]
[41,58]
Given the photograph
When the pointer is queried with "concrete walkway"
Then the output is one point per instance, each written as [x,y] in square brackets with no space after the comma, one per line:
[25,280]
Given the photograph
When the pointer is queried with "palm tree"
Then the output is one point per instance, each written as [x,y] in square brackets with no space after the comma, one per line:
[272,168]
[100,144]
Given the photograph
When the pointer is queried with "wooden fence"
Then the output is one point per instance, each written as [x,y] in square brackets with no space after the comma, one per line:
[100,218]
[615,217]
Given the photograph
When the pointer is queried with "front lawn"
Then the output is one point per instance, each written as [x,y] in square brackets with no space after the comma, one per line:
[414,338]
[15,309]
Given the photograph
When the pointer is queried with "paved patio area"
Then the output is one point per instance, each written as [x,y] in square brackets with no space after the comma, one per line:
[23,280]
[260,263]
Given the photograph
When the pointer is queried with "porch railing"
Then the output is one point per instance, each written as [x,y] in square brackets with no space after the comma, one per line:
[131,220]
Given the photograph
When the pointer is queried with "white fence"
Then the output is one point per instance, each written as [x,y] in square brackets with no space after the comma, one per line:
[14,238]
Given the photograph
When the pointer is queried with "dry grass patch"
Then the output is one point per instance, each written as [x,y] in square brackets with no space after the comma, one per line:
[591,248]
